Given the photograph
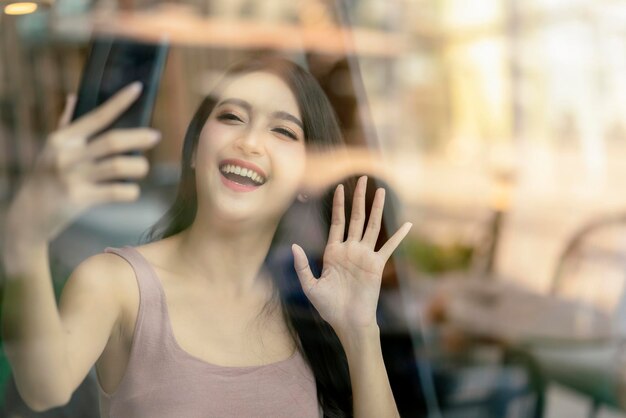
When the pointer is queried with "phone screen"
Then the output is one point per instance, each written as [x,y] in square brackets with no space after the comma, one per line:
[112,64]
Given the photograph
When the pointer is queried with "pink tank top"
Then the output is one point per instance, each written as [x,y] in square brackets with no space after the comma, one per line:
[163,380]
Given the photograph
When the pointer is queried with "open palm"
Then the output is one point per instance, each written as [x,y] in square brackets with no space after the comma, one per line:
[346,294]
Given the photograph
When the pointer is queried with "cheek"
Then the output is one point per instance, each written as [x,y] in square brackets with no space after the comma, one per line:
[212,138]
[292,165]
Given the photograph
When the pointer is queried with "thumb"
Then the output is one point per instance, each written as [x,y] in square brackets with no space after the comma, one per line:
[66,117]
[303,270]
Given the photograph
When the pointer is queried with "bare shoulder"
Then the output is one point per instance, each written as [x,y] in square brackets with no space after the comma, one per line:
[106,270]
[108,275]
[112,272]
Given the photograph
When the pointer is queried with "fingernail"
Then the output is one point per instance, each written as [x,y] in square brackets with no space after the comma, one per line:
[136,87]
[156,136]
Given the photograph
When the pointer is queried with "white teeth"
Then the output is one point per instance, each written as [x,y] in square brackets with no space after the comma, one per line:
[244,172]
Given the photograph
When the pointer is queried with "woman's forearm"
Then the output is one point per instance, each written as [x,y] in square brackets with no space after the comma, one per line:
[371,392]
[32,332]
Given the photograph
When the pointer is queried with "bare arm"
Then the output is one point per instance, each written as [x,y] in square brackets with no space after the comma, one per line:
[50,348]
[371,392]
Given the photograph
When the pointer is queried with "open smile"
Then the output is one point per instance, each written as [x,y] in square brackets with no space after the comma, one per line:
[241,176]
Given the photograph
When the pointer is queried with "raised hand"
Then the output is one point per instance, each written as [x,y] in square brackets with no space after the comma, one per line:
[346,294]
[72,174]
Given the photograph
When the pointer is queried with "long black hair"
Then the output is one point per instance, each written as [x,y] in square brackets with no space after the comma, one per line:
[313,336]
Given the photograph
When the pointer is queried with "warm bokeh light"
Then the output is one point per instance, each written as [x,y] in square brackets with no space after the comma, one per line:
[22,8]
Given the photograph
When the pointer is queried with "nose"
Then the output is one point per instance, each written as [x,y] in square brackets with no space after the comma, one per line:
[250,142]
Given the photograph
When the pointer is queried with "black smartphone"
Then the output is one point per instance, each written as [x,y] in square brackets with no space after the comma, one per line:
[112,64]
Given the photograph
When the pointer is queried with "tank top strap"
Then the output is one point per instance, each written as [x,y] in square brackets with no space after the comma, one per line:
[148,283]
[150,335]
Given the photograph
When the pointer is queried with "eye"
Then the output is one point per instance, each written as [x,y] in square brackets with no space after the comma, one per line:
[286,132]
[229,117]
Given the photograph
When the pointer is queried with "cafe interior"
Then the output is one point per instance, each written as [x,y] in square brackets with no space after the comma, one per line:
[497,128]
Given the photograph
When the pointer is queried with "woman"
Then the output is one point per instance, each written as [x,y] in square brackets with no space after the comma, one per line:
[169,324]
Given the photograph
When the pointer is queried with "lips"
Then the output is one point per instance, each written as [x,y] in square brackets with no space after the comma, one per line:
[241,176]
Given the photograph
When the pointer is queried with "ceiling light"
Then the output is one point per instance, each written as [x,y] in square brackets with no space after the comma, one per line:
[16,7]
[21,8]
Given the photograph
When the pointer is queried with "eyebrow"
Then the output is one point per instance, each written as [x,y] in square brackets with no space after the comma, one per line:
[248,107]
[288,116]
[236,102]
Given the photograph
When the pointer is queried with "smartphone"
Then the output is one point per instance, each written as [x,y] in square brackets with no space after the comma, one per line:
[112,64]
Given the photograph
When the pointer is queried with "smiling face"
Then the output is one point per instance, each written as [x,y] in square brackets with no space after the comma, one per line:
[250,156]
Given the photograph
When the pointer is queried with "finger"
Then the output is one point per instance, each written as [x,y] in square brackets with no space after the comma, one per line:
[357,216]
[376,215]
[114,192]
[392,243]
[338,222]
[303,270]
[100,118]
[119,141]
[68,110]
[116,168]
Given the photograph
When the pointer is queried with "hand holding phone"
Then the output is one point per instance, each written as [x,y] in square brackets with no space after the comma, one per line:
[73,173]
[97,158]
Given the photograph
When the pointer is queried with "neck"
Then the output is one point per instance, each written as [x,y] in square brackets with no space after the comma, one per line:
[227,256]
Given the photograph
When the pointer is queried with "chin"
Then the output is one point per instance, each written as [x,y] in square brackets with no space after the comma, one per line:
[267,207]
[230,213]
[247,214]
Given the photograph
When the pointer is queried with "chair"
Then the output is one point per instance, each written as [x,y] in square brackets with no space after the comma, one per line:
[591,269]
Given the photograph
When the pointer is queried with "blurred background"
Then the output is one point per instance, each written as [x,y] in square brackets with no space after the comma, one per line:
[501,125]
